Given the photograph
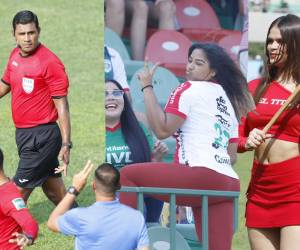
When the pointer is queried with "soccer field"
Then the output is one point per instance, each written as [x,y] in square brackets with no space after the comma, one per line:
[243,168]
[73,30]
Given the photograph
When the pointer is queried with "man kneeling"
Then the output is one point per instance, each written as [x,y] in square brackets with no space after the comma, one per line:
[106,224]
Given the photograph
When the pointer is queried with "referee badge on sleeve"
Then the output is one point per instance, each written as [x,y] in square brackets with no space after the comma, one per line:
[19,203]
[27,84]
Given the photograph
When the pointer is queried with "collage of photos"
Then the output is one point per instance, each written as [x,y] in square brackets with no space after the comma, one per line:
[191,143]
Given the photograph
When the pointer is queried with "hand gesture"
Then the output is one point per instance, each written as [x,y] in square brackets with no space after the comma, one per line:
[21,240]
[80,179]
[64,158]
[256,138]
[159,150]
[145,76]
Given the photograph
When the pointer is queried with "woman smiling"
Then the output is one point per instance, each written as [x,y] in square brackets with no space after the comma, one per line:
[128,141]
[272,211]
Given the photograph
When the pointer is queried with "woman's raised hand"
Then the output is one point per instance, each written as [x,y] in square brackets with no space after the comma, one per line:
[146,75]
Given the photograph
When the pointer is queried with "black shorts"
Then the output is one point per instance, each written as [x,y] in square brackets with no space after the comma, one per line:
[38,148]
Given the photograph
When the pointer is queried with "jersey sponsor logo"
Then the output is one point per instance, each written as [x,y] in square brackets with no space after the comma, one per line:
[272,101]
[18,203]
[179,136]
[175,95]
[222,160]
[27,84]
[14,63]
[117,148]
[221,105]
[275,102]
[222,137]
[23,180]
[223,121]
[119,157]
[107,65]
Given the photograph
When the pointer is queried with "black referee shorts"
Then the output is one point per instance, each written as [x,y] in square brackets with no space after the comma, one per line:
[38,148]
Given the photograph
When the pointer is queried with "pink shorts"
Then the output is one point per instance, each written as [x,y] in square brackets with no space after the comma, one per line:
[274,195]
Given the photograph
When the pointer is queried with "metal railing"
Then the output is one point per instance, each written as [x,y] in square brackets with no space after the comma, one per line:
[172,192]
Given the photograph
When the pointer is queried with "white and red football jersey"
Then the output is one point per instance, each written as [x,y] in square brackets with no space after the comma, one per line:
[210,124]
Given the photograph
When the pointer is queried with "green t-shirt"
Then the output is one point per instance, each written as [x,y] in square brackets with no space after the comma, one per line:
[117,151]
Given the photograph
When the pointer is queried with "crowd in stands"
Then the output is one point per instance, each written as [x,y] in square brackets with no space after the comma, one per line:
[265,6]
[140,13]
[135,22]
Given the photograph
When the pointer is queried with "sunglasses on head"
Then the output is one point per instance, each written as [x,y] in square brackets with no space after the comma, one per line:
[115,93]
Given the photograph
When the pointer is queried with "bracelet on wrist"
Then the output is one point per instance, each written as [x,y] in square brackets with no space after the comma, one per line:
[147,86]
[69,145]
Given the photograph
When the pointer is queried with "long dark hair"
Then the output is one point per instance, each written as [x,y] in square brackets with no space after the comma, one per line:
[133,134]
[289,27]
[228,76]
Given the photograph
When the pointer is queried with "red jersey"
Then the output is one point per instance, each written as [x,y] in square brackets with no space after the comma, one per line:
[34,80]
[14,216]
[287,126]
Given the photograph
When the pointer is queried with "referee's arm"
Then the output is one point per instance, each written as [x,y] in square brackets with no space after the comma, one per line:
[62,107]
[4,88]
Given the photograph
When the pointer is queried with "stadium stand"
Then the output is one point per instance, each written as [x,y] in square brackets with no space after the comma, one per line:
[164,82]
[172,236]
[113,40]
[170,49]
[190,15]
[231,43]
[159,239]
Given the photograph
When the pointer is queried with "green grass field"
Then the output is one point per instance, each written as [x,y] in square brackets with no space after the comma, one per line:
[243,168]
[74,31]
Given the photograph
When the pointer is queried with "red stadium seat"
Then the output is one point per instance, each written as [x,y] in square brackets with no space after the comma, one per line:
[231,44]
[208,35]
[170,48]
[199,22]
[196,14]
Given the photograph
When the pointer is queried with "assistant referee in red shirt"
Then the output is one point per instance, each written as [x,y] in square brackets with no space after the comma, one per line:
[39,85]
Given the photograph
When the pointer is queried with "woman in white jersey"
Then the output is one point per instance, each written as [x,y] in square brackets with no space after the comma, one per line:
[203,114]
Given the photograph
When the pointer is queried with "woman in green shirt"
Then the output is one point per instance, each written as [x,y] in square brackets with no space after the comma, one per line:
[128,141]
